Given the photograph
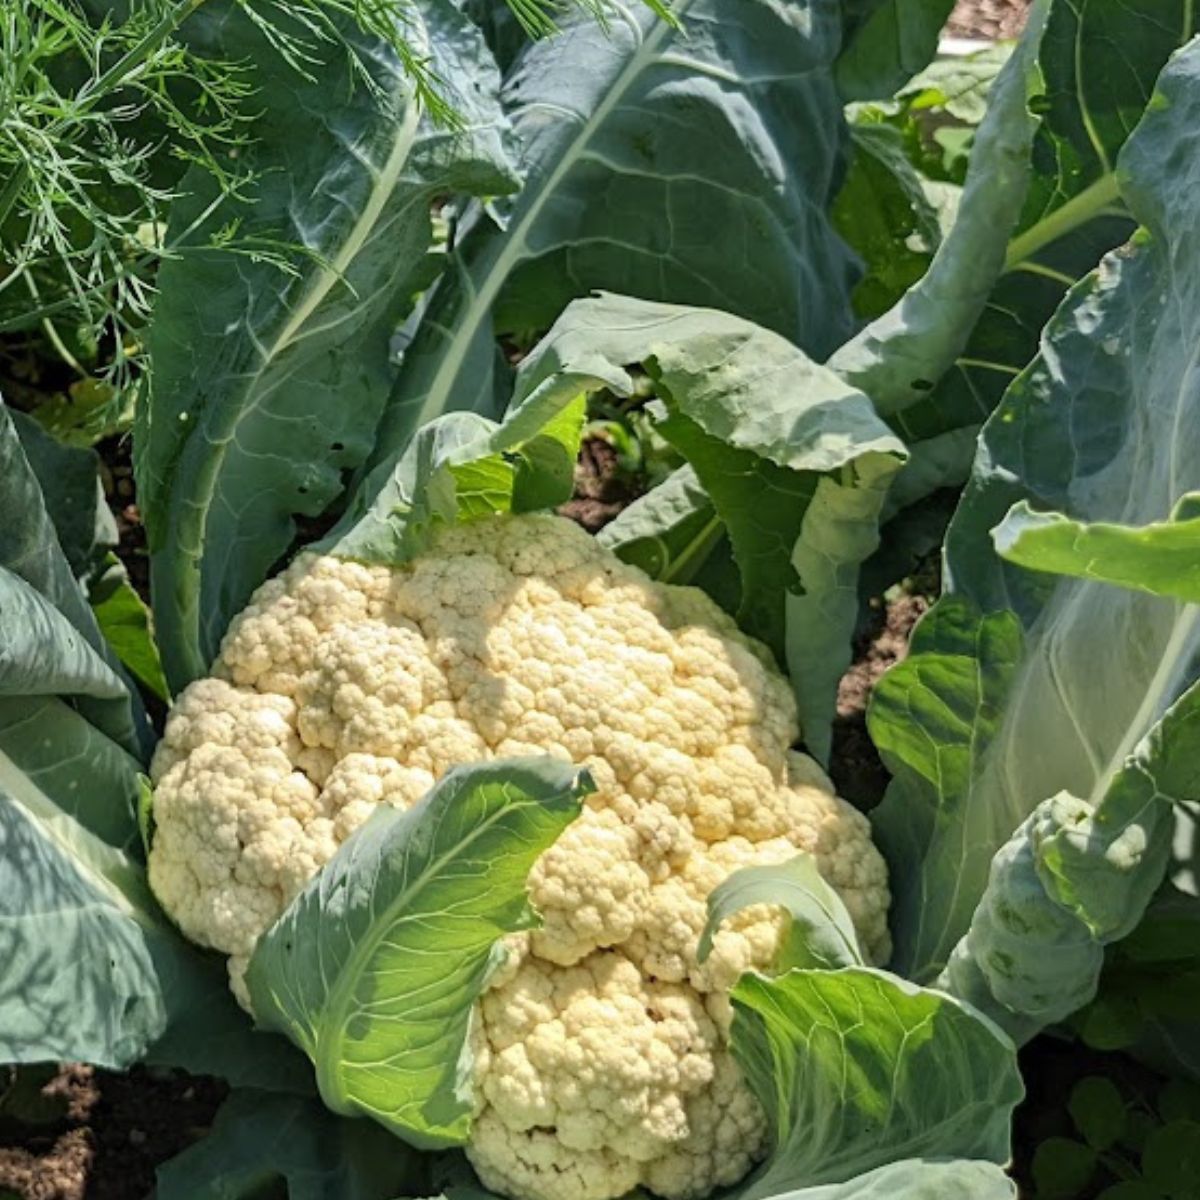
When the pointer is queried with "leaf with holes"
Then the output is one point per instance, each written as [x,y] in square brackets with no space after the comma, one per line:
[267,383]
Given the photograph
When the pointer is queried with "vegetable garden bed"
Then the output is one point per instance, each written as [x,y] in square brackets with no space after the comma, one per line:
[599,613]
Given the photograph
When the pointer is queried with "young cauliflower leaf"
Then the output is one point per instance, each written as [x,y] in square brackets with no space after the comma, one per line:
[1160,557]
[821,933]
[844,1059]
[670,533]
[462,466]
[375,967]
[860,1071]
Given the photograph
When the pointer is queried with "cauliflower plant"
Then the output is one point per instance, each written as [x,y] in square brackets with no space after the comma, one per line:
[601,1054]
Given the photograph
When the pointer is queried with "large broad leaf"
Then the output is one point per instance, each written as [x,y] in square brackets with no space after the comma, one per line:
[92,969]
[44,655]
[899,357]
[80,978]
[1098,62]
[375,967]
[918,509]
[884,212]
[859,1071]
[31,552]
[74,499]
[70,481]
[506,36]
[268,382]
[691,165]
[1026,691]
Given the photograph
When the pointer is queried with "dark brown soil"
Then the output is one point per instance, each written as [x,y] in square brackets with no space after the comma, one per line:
[855,766]
[28,375]
[111,1133]
[987,18]
[602,488]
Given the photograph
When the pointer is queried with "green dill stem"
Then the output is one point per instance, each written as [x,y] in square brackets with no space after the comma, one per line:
[37,315]
[91,93]
[26,319]
[51,331]
[12,189]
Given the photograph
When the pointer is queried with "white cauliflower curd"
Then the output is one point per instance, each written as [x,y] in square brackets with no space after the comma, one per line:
[602,1058]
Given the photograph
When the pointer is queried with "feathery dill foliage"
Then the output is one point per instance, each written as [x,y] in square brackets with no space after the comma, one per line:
[81,204]
[99,116]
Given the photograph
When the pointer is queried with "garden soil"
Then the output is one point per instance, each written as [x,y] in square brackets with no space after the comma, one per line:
[855,766]
[987,19]
[110,1134]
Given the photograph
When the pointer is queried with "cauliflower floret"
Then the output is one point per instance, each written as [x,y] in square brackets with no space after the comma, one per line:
[240,829]
[600,908]
[663,1101]
[601,1055]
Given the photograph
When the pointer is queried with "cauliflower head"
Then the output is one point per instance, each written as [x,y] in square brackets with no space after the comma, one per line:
[602,1057]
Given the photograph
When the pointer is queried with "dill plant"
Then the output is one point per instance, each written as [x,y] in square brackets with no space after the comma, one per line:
[102,106]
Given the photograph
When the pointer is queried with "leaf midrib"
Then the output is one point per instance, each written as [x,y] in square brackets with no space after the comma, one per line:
[513,245]
[330,1030]
[189,556]
[1081,208]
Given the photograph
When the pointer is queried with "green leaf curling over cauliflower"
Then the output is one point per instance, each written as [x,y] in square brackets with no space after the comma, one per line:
[601,1056]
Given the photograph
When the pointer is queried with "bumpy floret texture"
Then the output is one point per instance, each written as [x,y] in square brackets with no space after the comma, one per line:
[602,1053]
